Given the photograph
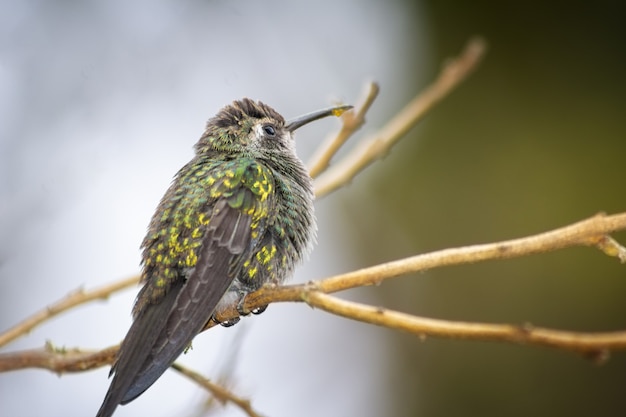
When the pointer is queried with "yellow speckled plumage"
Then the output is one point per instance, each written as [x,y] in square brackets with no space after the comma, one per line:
[179,230]
[237,216]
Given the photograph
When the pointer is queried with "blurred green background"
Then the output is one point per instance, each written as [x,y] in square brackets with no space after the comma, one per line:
[534,140]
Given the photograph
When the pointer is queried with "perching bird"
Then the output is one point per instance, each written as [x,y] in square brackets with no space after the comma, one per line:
[237,216]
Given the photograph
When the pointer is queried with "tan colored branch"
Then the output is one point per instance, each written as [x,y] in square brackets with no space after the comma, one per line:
[68,302]
[589,232]
[595,346]
[220,393]
[57,360]
[60,360]
[379,144]
[352,121]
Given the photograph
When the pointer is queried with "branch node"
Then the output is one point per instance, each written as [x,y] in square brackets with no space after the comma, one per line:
[308,290]
[598,356]
[610,247]
[526,328]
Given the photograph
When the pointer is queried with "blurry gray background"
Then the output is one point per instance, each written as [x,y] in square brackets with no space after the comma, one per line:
[101,103]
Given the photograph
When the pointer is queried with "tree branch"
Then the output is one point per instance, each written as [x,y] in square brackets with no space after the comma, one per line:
[61,360]
[589,232]
[379,144]
[595,346]
[352,121]
[220,393]
[57,360]
[68,302]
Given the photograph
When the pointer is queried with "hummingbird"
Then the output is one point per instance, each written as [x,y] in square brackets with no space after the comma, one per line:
[238,216]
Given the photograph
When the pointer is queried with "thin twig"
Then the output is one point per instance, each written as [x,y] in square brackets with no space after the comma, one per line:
[352,121]
[611,247]
[379,143]
[220,393]
[71,300]
[592,345]
[57,360]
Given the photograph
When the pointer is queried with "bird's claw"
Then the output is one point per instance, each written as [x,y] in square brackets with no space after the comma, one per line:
[226,323]
[259,310]
[242,310]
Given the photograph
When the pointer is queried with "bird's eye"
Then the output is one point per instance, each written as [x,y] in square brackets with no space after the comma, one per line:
[269,130]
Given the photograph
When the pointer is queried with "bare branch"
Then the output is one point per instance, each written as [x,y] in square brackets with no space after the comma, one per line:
[592,345]
[58,360]
[379,143]
[71,300]
[61,360]
[223,395]
[587,232]
[352,121]
[611,247]
[584,233]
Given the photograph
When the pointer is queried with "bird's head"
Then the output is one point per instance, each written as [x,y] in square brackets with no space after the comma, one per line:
[256,129]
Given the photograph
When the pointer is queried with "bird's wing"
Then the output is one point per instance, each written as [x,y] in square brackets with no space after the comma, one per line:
[161,331]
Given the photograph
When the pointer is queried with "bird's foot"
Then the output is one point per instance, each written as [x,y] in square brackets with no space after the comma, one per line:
[241,308]
[226,323]
[259,310]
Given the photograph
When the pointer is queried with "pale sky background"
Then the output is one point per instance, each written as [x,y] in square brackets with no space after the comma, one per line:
[100,105]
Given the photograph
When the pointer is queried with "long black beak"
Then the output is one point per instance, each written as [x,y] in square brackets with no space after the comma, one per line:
[316,115]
